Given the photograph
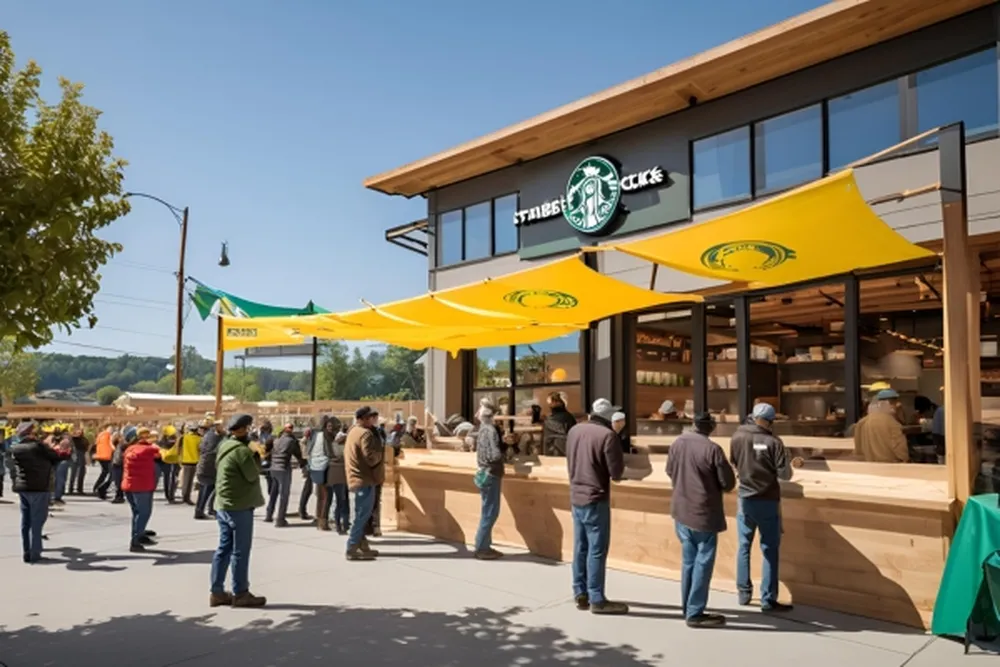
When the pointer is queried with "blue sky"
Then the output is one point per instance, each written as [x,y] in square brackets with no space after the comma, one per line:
[264,117]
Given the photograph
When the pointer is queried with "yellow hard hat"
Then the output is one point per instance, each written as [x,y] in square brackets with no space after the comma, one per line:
[169,431]
[879,386]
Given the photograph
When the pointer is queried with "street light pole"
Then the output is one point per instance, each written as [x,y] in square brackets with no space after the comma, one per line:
[179,352]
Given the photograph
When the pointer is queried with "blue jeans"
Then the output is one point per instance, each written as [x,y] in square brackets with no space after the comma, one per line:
[764,516]
[591,537]
[364,503]
[491,510]
[141,503]
[34,512]
[341,507]
[235,540]
[698,558]
[206,495]
[62,472]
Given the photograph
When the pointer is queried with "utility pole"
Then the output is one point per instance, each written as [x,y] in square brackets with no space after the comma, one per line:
[179,352]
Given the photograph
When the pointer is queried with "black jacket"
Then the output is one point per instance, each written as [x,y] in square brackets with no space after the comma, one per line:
[207,450]
[700,474]
[33,463]
[283,450]
[555,430]
[761,461]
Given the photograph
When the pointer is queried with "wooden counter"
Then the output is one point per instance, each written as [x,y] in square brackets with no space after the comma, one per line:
[859,538]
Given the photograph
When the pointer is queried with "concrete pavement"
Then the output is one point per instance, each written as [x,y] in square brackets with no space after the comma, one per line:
[424,603]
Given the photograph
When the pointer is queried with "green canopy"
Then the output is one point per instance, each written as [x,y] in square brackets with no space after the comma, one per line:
[206,299]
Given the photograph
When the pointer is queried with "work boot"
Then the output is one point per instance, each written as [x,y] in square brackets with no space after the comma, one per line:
[488,554]
[137,548]
[281,523]
[367,548]
[582,602]
[220,600]
[146,541]
[608,608]
[706,621]
[248,599]
[356,554]
[201,516]
[323,523]
[776,608]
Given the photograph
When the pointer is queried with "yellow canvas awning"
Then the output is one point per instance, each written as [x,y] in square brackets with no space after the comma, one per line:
[239,333]
[821,229]
[561,293]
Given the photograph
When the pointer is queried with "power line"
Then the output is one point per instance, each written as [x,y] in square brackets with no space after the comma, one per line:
[143,267]
[132,305]
[130,331]
[106,349]
[134,298]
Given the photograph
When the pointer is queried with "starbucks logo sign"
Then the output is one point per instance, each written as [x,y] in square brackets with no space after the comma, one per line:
[593,193]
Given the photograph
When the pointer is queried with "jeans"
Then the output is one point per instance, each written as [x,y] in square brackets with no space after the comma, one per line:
[141,503]
[206,496]
[341,508]
[235,540]
[62,472]
[279,493]
[491,510]
[116,478]
[103,480]
[34,512]
[375,519]
[77,472]
[698,550]
[168,472]
[591,538]
[364,503]
[187,481]
[764,516]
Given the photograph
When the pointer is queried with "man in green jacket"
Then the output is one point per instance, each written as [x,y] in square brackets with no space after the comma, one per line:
[237,495]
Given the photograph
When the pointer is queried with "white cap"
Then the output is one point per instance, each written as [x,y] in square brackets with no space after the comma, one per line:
[667,407]
[603,408]
[618,417]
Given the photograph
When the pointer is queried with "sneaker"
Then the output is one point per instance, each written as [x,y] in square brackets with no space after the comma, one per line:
[137,548]
[149,533]
[776,607]
[609,608]
[248,599]
[706,621]
[488,554]
[356,554]
[147,541]
[220,599]
[582,602]
[367,549]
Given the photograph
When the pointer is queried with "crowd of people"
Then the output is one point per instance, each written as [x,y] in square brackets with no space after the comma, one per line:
[233,468]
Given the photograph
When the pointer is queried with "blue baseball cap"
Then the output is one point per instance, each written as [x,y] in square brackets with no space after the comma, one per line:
[887,395]
[763,411]
[131,433]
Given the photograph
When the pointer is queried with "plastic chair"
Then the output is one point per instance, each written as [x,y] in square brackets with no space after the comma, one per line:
[986,611]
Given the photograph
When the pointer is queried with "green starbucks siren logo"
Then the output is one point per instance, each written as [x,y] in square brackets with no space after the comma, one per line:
[541,298]
[593,193]
[737,256]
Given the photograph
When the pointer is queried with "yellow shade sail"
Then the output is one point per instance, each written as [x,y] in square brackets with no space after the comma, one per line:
[821,229]
[561,293]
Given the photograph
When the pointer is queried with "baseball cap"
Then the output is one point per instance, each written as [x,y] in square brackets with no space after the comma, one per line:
[25,429]
[240,421]
[667,407]
[365,412]
[879,386]
[887,395]
[618,417]
[604,408]
[763,411]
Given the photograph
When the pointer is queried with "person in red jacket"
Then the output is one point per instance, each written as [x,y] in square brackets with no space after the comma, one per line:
[139,482]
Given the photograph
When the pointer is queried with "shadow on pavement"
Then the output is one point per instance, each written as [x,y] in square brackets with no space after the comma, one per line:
[83,561]
[332,634]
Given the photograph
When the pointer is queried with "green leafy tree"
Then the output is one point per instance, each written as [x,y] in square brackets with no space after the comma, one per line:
[59,186]
[108,395]
[146,387]
[287,396]
[18,376]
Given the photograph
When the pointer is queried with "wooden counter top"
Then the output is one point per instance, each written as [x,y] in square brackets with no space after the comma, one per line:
[901,485]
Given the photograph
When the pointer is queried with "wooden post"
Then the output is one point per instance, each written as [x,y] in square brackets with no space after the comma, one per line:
[974,348]
[957,372]
[220,358]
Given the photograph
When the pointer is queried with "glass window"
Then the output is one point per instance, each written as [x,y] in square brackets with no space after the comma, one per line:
[963,89]
[863,122]
[504,230]
[449,238]
[477,231]
[788,149]
[492,367]
[548,362]
[722,168]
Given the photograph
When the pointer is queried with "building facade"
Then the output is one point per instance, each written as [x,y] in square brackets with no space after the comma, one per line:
[705,155]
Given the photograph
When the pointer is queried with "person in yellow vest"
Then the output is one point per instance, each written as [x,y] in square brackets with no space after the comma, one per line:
[190,445]
[170,458]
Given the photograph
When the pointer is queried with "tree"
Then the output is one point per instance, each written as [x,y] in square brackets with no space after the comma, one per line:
[18,376]
[59,186]
[108,395]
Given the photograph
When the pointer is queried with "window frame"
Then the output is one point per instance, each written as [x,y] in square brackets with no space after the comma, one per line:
[439,264]
[725,202]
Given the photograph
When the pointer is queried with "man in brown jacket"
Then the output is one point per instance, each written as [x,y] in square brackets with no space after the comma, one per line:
[365,463]
[879,437]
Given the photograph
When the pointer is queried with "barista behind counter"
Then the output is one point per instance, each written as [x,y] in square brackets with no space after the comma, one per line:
[879,437]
